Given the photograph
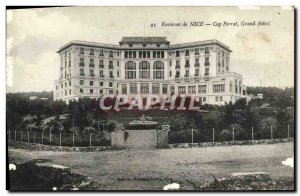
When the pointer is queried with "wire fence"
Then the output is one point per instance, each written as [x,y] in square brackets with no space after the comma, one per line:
[185,136]
[217,135]
[58,139]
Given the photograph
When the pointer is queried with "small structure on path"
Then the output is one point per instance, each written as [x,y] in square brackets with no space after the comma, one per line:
[141,133]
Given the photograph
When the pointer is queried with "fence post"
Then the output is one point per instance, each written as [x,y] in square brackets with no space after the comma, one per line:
[43,137]
[271,132]
[21,136]
[59,138]
[15,135]
[213,135]
[73,139]
[28,136]
[252,134]
[91,139]
[288,131]
[192,137]
[50,137]
[33,137]
[233,133]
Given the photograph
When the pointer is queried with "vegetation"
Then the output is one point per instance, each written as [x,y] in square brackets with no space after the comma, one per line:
[84,117]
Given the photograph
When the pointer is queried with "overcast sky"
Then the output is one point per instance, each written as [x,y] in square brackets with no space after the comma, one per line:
[34,36]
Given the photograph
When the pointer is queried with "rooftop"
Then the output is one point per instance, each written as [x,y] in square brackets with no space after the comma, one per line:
[144,39]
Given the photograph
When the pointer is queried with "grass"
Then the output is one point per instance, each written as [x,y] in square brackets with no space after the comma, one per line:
[153,169]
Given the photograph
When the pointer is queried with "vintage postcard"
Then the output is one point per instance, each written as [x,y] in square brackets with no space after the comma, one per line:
[150,98]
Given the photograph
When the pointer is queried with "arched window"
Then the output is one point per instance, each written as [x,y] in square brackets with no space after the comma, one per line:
[158,70]
[130,70]
[144,68]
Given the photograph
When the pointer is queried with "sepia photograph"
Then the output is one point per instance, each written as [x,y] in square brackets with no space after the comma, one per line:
[141,98]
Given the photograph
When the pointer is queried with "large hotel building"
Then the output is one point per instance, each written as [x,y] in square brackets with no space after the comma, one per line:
[148,65]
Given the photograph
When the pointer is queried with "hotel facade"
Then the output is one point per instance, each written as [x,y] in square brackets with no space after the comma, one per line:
[148,65]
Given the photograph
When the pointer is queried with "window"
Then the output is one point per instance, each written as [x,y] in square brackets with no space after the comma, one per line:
[206,50]
[192,89]
[197,51]
[177,74]
[206,73]
[204,99]
[165,88]
[82,72]
[158,45]
[197,64]
[69,83]
[101,64]
[124,88]
[158,54]
[111,65]
[92,63]
[69,63]
[158,70]
[144,45]
[81,62]
[91,83]
[218,88]
[130,45]
[187,73]
[92,74]
[101,91]
[118,74]
[111,92]
[177,64]
[133,88]
[181,89]
[187,52]
[187,63]
[101,73]
[196,72]
[217,98]
[177,53]
[101,53]
[70,91]
[91,52]
[231,87]
[201,89]
[110,84]
[91,91]
[172,89]
[110,54]
[130,70]
[221,98]
[206,63]
[144,88]
[81,90]
[81,51]
[144,68]
[100,83]
[155,88]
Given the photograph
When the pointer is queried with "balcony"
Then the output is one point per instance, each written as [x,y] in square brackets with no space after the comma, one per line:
[92,75]
[92,65]
[207,63]
[82,74]
[196,75]
[197,64]
[186,76]
[101,76]
[101,66]
[111,76]
[187,65]
[81,64]
[91,54]
[177,76]
[110,67]
[177,66]
[206,74]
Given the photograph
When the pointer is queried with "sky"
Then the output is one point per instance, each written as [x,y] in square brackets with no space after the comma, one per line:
[261,54]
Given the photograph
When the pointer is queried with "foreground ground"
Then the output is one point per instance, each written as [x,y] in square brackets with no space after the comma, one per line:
[153,169]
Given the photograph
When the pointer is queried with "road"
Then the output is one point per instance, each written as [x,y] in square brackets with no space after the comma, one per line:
[152,169]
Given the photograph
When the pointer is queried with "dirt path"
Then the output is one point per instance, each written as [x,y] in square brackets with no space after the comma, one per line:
[152,169]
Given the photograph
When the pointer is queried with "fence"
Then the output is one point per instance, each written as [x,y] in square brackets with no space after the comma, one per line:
[215,135]
[58,139]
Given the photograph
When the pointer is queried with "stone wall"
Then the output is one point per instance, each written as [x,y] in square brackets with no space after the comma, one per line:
[228,143]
